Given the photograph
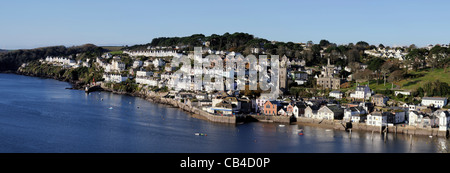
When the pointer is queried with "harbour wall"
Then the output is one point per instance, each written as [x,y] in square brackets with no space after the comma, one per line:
[398,129]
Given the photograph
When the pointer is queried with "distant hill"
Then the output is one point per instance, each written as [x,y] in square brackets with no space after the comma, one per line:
[11,60]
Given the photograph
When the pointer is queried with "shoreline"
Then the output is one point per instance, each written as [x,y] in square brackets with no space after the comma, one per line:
[202,115]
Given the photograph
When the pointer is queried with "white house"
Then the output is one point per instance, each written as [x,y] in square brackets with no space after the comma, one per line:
[444,119]
[407,93]
[336,94]
[137,64]
[437,102]
[311,112]
[376,119]
[330,113]
[116,78]
[298,110]
[144,73]
[353,114]
[415,118]
[117,65]
[361,92]
[157,62]
[153,53]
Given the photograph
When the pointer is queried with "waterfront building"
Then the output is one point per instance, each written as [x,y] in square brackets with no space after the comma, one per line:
[354,114]
[299,110]
[415,118]
[330,113]
[444,119]
[396,116]
[272,107]
[376,119]
[311,111]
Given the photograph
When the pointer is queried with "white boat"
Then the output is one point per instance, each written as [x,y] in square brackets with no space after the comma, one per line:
[200,134]
[281,125]
[110,108]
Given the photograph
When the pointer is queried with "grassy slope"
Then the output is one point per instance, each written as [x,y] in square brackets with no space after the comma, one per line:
[411,83]
[424,76]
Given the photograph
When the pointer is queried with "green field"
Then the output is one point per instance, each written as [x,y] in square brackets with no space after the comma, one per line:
[113,48]
[423,76]
[417,79]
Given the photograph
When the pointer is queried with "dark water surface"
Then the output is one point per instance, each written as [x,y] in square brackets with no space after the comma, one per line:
[40,115]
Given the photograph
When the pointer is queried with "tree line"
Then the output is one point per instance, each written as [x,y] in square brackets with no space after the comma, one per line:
[12,60]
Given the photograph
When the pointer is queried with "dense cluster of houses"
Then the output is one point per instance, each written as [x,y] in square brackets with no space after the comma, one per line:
[387,53]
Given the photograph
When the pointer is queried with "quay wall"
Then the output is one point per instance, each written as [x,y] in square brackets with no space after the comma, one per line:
[398,129]
[271,118]
[198,112]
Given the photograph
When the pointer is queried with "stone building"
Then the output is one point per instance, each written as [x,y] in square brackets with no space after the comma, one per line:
[327,79]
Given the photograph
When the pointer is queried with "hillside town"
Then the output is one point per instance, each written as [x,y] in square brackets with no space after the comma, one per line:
[329,94]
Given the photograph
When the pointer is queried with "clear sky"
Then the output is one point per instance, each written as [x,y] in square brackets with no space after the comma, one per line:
[31,24]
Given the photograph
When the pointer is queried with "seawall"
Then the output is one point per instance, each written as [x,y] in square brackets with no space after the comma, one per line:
[398,129]
[157,98]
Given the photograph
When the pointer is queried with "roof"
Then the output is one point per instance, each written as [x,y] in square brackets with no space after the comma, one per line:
[378,95]
[376,114]
[355,109]
[335,109]
[434,98]
[275,103]
[313,107]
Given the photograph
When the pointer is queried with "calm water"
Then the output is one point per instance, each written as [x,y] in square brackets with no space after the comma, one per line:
[40,115]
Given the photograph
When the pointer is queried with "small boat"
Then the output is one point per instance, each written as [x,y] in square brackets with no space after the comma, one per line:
[327,130]
[281,125]
[200,134]
[110,108]
[301,133]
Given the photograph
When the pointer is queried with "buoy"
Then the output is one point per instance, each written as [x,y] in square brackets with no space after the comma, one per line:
[300,133]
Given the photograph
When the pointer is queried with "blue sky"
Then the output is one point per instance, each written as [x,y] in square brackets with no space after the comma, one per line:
[30,24]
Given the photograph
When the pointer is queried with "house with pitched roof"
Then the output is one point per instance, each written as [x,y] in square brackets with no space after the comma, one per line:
[330,113]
